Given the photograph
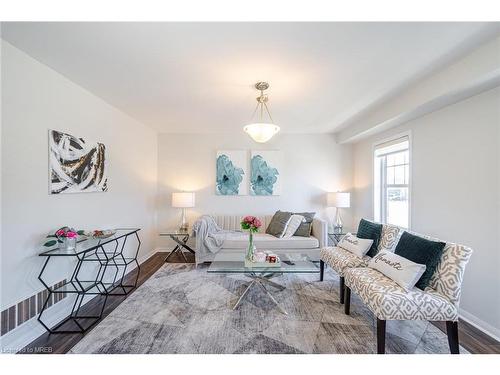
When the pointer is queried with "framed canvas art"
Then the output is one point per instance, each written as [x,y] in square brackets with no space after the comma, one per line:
[231,173]
[75,165]
[265,167]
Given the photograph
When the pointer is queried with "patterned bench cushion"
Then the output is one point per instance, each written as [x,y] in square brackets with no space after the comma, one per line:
[388,301]
[340,259]
[389,238]
[447,280]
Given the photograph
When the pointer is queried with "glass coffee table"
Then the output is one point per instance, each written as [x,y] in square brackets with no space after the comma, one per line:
[227,263]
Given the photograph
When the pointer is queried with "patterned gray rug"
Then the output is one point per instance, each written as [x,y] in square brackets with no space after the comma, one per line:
[181,309]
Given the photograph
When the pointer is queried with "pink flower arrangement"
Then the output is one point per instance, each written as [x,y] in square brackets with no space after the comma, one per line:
[61,234]
[251,223]
[66,232]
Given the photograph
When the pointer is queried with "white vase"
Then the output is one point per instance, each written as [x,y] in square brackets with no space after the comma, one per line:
[67,243]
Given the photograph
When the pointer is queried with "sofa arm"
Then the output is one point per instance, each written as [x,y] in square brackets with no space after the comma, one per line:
[320,231]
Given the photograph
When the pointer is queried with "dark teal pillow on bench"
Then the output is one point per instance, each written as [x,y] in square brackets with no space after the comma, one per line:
[422,251]
[370,231]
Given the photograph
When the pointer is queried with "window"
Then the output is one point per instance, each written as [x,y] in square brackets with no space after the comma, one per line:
[392,182]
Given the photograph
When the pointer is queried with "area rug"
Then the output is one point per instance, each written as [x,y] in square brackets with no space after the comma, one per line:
[184,309]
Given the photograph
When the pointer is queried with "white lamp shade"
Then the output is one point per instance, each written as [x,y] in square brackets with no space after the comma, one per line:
[339,200]
[261,132]
[183,200]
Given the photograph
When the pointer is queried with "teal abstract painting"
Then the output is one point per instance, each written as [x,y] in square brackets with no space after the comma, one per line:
[265,173]
[231,176]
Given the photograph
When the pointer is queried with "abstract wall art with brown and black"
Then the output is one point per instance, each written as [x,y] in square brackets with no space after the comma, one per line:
[75,165]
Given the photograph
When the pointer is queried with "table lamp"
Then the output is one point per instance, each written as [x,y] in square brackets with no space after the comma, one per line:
[183,200]
[338,200]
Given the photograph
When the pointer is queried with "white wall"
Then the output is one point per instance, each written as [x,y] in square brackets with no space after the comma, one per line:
[455,191]
[313,165]
[35,99]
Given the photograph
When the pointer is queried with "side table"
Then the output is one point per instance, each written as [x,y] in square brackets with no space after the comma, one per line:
[180,238]
[334,238]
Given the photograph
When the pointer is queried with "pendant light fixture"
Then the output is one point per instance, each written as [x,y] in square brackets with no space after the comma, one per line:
[262,130]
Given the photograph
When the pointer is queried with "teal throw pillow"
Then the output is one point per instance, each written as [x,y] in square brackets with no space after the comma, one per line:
[370,231]
[422,251]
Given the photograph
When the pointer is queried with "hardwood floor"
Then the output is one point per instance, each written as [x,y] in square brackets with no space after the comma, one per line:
[470,337]
[473,339]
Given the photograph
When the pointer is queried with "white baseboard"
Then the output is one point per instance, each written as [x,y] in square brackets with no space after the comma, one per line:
[145,258]
[481,325]
[29,331]
[163,249]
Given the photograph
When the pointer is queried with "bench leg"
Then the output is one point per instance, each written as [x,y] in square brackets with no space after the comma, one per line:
[452,331]
[347,301]
[380,336]
[321,270]
[342,288]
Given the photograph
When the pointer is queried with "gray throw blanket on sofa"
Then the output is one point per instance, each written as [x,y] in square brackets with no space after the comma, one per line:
[209,237]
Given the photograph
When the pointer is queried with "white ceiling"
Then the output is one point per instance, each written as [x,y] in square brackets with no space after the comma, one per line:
[198,77]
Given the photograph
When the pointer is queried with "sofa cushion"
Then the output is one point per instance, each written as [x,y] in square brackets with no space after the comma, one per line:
[264,241]
[304,229]
[388,301]
[293,224]
[340,259]
[370,231]
[278,223]
[423,251]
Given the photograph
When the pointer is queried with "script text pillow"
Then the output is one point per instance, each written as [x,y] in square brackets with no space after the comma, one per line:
[355,245]
[304,230]
[371,231]
[423,251]
[278,223]
[293,224]
[401,270]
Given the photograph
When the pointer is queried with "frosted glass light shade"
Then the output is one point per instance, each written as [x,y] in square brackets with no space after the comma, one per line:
[261,132]
[183,200]
[338,199]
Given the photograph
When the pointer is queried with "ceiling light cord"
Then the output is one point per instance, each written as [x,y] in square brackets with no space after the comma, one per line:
[269,113]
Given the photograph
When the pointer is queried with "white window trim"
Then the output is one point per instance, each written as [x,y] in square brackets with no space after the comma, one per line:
[378,143]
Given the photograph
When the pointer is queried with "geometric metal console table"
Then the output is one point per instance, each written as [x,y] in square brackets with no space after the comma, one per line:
[108,264]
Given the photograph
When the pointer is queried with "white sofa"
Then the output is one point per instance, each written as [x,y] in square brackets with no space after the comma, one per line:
[309,246]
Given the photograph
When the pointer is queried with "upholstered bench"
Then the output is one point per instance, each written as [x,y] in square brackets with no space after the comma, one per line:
[388,301]
[340,260]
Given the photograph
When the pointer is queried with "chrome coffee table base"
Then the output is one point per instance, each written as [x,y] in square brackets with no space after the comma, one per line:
[261,280]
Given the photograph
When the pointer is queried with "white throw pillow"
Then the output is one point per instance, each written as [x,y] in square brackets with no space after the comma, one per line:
[292,225]
[355,245]
[401,270]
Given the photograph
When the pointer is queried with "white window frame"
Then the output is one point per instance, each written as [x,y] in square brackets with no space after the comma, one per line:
[379,143]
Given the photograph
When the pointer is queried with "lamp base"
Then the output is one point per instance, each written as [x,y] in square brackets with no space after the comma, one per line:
[338,223]
[184,224]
